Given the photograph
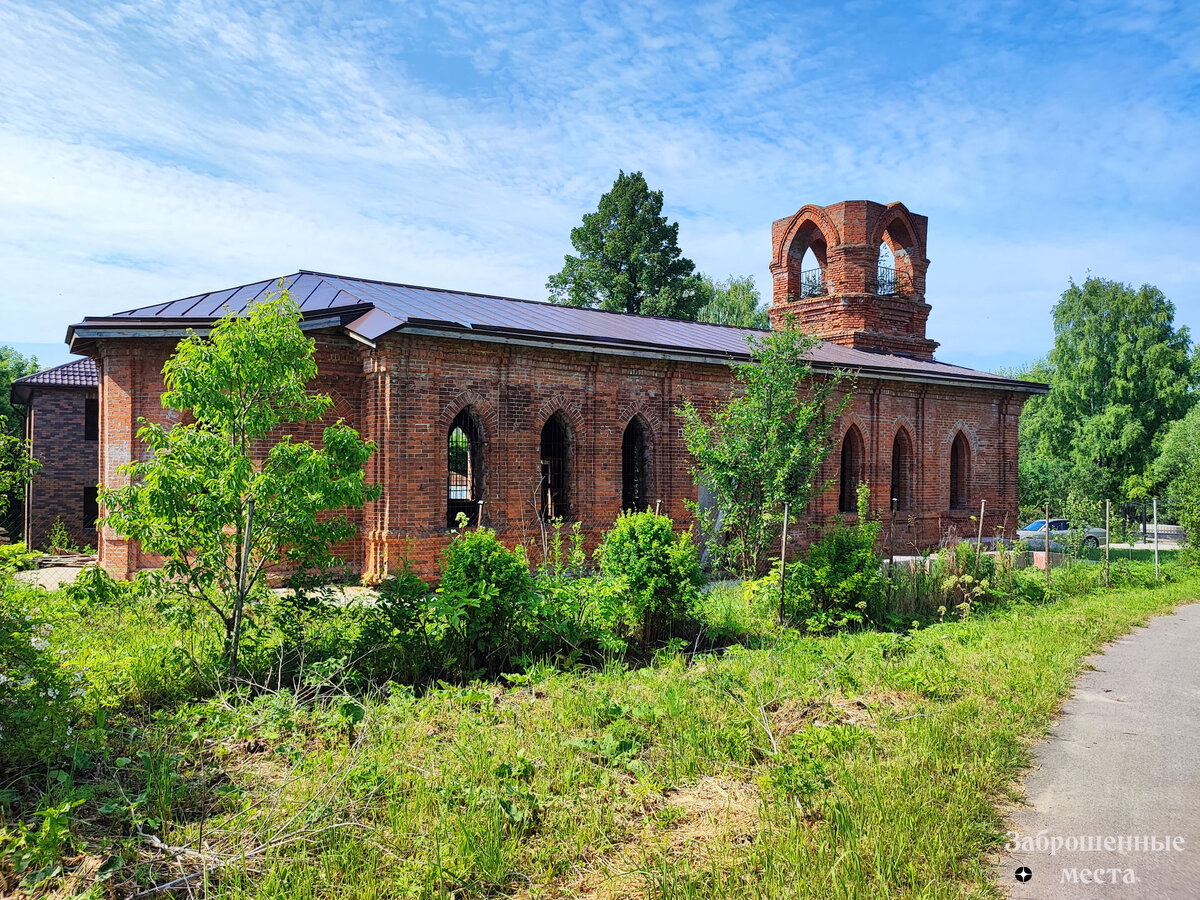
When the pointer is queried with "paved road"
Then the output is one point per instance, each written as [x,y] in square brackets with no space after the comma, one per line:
[1124,760]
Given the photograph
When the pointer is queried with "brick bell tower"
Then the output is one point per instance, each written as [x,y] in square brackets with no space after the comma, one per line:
[854,274]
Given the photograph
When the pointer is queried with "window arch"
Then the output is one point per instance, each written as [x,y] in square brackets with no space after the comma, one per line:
[635,466]
[902,466]
[464,468]
[554,486]
[960,471]
[851,470]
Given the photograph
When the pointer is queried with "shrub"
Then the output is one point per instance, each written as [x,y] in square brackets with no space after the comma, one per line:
[483,605]
[840,583]
[394,640]
[655,575]
[16,557]
[38,697]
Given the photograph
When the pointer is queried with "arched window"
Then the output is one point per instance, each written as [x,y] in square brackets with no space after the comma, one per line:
[553,490]
[960,471]
[464,468]
[885,279]
[902,462]
[635,494]
[851,471]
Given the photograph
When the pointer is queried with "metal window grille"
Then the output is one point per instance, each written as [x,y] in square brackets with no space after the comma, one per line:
[812,283]
[634,494]
[902,471]
[464,465]
[553,490]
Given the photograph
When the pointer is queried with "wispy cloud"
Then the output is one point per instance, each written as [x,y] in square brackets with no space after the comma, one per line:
[154,149]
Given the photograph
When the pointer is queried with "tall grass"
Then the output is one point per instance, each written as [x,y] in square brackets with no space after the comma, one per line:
[855,765]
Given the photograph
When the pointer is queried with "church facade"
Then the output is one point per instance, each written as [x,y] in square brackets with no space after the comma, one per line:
[513,412]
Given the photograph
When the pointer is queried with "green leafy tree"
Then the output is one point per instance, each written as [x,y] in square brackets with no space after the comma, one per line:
[13,366]
[17,466]
[629,258]
[1119,374]
[761,448]
[734,301]
[215,497]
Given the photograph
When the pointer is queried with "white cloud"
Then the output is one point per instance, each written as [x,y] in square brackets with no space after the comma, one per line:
[151,150]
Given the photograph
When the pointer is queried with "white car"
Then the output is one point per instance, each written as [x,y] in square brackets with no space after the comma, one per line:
[1034,533]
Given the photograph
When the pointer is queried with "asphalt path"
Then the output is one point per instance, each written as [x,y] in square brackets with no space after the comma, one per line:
[1120,773]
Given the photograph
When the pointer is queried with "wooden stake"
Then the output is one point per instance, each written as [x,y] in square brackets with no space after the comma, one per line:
[783,560]
[479,521]
[979,539]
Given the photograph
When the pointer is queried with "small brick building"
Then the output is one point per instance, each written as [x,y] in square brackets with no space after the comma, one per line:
[516,410]
[62,425]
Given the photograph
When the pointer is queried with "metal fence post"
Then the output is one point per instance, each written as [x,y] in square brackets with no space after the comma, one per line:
[1107,515]
[1156,539]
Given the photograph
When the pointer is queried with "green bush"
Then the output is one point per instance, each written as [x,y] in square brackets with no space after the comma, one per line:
[483,610]
[394,635]
[39,698]
[654,576]
[839,584]
[16,557]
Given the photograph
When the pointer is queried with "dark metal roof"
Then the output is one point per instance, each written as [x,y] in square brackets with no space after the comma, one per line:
[368,310]
[76,374]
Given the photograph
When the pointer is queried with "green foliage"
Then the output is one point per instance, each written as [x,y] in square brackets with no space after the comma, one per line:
[629,258]
[190,497]
[1119,374]
[761,448]
[13,365]
[17,466]
[838,585]
[734,301]
[655,574]
[38,695]
[483,605]
[16,557]
[94,587]
[1185,490]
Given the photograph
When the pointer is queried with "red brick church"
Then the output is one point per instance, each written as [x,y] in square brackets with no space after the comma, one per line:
[515,411]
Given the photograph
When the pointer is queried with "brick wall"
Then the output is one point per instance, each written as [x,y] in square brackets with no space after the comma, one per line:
[405,393]
[69,465]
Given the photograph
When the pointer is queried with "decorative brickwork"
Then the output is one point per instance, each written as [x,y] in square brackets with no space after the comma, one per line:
[848,299]
[402,378]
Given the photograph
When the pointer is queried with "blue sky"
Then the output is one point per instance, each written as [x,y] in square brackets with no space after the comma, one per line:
[153,150]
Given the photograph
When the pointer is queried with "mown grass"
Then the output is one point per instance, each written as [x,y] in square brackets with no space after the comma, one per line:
[862,765]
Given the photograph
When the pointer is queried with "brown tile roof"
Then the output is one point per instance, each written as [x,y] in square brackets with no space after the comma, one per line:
[78,373]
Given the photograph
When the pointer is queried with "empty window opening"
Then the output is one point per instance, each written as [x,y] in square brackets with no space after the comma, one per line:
[902,460]
[554,496]
[960,471]
[91,419]
[851,471]
[91,507]
[634,467]
[885,279]
[812,274]
[464,469]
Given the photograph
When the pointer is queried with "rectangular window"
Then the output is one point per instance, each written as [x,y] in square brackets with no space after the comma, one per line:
[91,508]
[91,419]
